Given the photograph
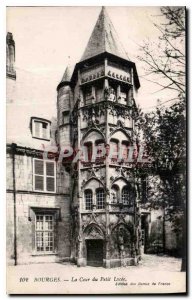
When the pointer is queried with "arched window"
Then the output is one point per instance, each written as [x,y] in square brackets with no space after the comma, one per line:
[127,195]
[114,150]
[88,145]
[100,147]
[100,198]
[124,150]
[114,194]
[88,199]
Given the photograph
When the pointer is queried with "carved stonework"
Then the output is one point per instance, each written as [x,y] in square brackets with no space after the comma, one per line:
[92,126]
[92,173]
[114,130]
[92,219]
[120,173]
[93,232]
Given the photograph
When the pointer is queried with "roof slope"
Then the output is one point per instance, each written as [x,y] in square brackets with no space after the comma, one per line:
[104,39]
[67,74]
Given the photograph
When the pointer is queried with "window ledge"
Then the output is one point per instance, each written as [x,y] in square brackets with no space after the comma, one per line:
[39,138]
[84,211]
[44,192]
[43,254]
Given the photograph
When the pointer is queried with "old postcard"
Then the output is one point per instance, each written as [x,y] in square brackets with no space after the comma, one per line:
[96,150]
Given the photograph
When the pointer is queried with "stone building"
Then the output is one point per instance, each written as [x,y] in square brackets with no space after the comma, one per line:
[84,210]
[96,109]
[38,207]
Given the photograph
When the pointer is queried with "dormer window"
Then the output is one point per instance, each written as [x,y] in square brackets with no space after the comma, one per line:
[40,128]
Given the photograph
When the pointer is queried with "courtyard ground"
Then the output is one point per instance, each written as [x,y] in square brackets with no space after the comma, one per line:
[153,274]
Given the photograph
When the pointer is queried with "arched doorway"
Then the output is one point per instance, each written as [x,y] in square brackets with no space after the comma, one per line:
[94,252]
[94,242]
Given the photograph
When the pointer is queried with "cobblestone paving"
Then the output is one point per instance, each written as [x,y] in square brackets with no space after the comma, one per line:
[147,263]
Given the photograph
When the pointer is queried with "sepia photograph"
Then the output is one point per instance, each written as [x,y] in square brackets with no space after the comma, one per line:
[96,150]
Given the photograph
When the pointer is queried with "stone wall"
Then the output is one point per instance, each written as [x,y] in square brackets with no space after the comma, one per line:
[26,200]
[25,227]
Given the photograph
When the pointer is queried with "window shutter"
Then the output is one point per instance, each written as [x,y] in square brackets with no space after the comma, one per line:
[50,176]
[39,172]
[50,184]
[50,170]
[44,130]
[37,129]
[39,183]
[44,175]
[39,167]
[41,129]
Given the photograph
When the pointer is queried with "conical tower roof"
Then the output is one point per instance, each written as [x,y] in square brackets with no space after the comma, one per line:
[66,79]
[104,39]
[67,74]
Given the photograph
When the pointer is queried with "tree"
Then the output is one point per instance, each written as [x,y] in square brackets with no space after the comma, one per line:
[164,128]
[164,61]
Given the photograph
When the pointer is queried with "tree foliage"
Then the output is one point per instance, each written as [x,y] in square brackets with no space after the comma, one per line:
[163,129]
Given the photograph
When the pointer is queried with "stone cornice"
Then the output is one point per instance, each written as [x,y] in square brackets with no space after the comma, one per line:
[20,150]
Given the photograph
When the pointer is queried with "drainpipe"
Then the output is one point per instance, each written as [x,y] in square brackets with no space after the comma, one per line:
[164,236]
[14,146]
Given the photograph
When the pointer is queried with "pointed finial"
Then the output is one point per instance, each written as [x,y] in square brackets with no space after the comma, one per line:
[68,61]
[103,10]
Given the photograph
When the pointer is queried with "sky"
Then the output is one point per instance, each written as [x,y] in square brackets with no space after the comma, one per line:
[49,38]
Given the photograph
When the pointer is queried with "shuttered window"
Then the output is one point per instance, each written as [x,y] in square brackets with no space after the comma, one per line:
[44,175]
[45,130]
[41,129]
[37,126]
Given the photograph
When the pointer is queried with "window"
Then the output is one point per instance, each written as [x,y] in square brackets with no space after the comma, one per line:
[100,148]
[88,95]
[41,129]
[100,199]
[88,199]
[123,95]
[126,195]
[44,233]
[112,93]
[124,151]
[114,150]
[65,117]
[44,175]
[88,145]
[99,91]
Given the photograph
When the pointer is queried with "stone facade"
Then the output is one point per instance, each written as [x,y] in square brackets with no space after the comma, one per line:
[100,100]
[24,203]
[88,212]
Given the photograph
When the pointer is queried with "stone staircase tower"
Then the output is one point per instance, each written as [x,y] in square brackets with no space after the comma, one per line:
[103,196]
